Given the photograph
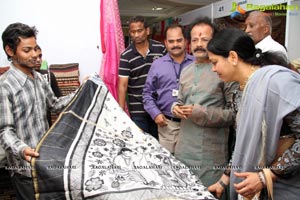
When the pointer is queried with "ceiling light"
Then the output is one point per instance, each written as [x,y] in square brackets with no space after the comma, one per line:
[157,8]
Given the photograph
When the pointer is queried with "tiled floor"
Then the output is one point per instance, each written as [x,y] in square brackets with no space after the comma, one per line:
[6,189]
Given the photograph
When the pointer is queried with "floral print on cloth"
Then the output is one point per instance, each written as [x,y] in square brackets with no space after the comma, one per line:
[95,151]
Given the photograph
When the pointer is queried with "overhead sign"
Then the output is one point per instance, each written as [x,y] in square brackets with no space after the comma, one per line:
[234,8]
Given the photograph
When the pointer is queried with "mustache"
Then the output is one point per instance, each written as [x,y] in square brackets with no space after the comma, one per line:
[199,49]
[175,48]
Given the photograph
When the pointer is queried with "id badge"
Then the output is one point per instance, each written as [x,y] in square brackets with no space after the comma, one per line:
[174,93]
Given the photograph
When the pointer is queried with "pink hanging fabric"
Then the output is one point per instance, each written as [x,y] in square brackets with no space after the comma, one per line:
[112,43]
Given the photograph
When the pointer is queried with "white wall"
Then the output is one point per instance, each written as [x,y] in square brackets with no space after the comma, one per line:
[292,41]
[192,16]
[68,30]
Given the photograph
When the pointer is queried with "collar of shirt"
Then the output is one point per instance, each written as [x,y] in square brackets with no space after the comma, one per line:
[168,58]
[264,42]
[150,49]
[19,76]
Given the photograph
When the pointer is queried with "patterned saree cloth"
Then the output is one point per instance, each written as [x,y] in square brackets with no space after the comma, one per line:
[94,151]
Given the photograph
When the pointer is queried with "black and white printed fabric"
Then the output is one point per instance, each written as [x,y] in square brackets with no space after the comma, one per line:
[94,151]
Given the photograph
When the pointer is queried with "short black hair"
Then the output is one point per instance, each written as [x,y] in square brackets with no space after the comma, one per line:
[12,34]
[172,26]
[138,19]
[206,21]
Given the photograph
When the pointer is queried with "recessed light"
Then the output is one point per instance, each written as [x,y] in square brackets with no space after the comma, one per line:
[157,8]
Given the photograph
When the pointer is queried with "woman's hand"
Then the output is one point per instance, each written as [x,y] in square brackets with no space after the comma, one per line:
[250,185]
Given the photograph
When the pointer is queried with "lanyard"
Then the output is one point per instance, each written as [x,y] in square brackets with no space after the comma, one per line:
[177,73]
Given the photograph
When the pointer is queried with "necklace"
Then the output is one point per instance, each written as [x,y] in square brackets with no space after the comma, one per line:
[252,70]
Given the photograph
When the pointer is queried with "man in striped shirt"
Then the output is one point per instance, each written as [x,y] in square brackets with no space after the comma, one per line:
[24,98]
[135,63]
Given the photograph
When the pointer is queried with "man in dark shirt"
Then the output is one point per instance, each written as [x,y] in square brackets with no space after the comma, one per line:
[135,63]
[49,76]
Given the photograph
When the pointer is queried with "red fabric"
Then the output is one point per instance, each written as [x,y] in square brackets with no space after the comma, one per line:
[112,44]
[3,70]
[102,31]
[162,29]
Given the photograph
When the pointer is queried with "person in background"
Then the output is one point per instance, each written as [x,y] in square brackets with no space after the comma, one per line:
[203,106]
[161,87]
[135,63]
[49,76]
[259,28]
[267,113]
[24,98]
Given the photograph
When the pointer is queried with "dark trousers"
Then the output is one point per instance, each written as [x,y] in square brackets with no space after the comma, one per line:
[23,186]
[146,124]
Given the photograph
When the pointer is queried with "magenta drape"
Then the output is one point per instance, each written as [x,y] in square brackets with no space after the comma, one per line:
[112,43]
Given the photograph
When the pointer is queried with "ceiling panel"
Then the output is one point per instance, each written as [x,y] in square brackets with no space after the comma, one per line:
[171,8]
[192,2]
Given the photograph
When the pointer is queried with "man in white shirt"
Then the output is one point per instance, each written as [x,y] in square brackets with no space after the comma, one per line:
[259,28]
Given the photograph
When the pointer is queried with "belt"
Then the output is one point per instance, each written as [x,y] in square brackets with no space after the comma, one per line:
[173,118]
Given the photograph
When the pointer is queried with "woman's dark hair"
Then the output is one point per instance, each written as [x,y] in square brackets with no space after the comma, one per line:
[232,39]
[12,34]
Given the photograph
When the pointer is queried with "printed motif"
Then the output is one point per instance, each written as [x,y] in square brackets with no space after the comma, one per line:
[97,150]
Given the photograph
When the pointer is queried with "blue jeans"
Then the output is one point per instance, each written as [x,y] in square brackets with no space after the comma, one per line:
[146,124]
